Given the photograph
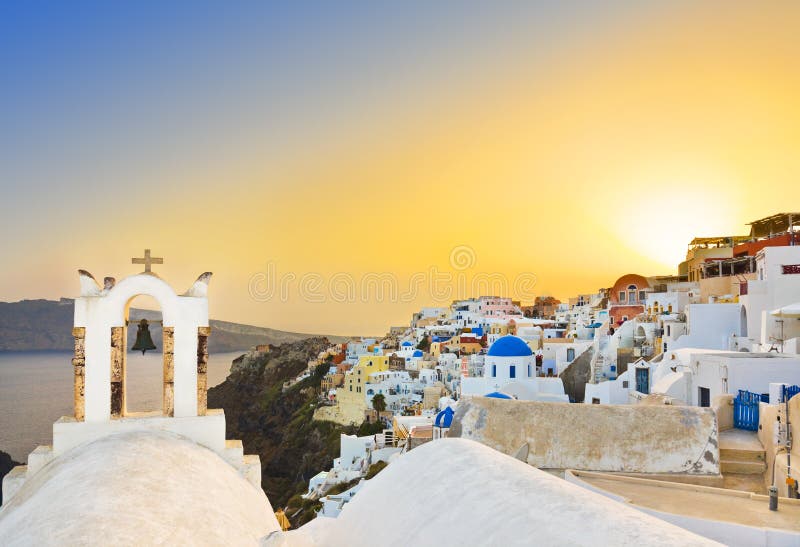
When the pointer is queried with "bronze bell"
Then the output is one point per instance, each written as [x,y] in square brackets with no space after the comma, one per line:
[144,341]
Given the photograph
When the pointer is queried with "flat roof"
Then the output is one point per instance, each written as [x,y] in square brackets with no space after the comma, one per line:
[704,502]
[753,355]
[776,216]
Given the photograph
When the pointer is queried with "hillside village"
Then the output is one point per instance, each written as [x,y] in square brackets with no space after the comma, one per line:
[723,333]
[659,410]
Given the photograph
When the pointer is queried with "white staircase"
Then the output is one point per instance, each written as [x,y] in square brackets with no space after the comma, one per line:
[597,368]
[598,359]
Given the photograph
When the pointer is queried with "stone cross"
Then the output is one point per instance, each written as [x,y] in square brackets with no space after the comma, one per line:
[147,260]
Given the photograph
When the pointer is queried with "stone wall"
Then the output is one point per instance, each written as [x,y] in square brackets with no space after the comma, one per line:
[626,438]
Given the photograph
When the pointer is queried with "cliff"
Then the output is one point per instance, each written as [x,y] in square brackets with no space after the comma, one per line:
[278,425]
[46,325]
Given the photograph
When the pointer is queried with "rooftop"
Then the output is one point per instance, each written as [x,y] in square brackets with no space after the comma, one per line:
[718,240]
[696,501]
[780,222]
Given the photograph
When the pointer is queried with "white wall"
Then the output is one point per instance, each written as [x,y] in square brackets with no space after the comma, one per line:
[710,326]
[773,289]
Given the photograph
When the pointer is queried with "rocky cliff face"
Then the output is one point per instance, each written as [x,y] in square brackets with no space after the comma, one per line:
[275,424]
[46,325]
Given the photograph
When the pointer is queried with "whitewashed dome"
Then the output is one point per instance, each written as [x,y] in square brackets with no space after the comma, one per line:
[474,495]
[138,488]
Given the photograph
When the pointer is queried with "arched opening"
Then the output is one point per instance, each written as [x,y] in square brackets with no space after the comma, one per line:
[144,374]
[743,321]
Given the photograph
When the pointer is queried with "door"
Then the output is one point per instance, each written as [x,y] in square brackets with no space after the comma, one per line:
[643,380]
[704,396]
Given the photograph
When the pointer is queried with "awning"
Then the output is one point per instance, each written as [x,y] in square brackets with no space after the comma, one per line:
[792,310]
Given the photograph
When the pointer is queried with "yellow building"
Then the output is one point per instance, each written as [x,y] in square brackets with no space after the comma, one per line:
[703,249]
[351,398]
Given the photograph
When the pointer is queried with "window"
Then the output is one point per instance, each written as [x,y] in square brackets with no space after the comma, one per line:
[704,396]
[642,296]
[494,371]
[529,371]
[669,330]
[512,371]
[622,296]
[570,354]
[595,401]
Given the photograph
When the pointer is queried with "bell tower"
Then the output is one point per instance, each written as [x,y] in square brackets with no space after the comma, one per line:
[99,360]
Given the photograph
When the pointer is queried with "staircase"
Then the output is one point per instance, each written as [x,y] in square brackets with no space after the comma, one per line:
[598,359]
[741,453]
[597,368]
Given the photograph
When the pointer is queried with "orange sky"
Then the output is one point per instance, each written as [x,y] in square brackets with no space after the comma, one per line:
[594,151]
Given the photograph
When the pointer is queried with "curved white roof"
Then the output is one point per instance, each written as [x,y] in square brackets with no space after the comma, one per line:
[139,488]
[474,495]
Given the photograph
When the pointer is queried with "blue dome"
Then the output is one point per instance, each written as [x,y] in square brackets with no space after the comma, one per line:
[498,395]
[444,418]
[406,344]
[417,353]
[510,346]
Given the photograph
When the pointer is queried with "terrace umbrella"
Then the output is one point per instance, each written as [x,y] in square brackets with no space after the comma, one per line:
[790,311]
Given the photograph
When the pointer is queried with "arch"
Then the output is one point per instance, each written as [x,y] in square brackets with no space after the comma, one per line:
[123,293]
[99,313]
[118,301]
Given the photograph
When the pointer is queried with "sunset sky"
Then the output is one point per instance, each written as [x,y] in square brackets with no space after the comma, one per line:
[573,142]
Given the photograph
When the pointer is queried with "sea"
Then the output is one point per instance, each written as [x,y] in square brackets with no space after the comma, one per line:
[36,390]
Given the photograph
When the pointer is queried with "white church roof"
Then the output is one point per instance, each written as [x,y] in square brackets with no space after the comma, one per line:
[459,492]
[139,488]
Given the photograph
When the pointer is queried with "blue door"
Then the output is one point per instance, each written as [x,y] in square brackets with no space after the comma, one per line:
[643,380]
[745,410]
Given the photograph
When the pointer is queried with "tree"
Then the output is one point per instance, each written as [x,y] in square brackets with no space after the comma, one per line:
[379,402]
[424,344]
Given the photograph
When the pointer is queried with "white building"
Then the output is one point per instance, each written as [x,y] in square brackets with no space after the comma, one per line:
[777,285]
[705,375]
[510,367]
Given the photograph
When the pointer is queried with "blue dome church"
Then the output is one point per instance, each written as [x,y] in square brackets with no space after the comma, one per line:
[509,368]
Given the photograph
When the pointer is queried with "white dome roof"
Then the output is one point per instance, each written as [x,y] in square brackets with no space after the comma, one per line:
[139,488]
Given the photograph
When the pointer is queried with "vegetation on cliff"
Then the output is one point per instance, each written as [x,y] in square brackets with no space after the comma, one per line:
[278,424]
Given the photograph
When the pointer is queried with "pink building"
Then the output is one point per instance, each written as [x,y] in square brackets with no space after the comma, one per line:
[496,306]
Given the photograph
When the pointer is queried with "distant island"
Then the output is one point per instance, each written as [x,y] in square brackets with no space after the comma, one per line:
[46,325]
